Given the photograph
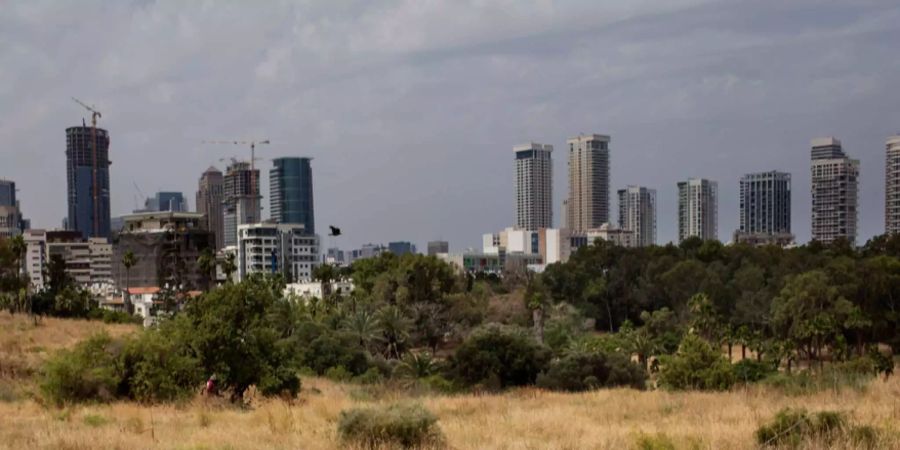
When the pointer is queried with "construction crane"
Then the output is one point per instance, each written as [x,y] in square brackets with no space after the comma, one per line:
[252,143]
[96,192]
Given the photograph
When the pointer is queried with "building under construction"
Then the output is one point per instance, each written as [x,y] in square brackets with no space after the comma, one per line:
[242,204]
[86,173]
[166,246]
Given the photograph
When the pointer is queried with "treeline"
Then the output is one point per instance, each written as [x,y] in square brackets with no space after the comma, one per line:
[611,316]
[810,302]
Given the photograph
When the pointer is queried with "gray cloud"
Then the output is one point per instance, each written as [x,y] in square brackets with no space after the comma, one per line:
[410,108]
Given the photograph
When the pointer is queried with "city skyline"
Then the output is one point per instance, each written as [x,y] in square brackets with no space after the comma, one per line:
[740,74]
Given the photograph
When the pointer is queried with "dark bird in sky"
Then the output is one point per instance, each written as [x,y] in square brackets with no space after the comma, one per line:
[335,231]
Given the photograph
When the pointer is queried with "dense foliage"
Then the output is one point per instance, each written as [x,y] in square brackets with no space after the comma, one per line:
[404,425]
[499,357]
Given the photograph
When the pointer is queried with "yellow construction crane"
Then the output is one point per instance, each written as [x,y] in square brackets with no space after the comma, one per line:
[252,143]
[96,192]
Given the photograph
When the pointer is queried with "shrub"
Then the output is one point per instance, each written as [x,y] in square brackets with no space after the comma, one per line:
[157,369]
[696,365]
[338,373]
[405,424]
[108,316]
[332,349]
[791,427]
[752,371]
[655,442]
[85,373]
[371,376]
[500,357]
[583,371]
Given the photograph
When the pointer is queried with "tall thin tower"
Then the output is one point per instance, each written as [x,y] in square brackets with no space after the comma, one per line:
[637,213]
[87,176]
[892,186]
[210,195]
[534,186]
[835,191]
[698,209]
[291,192]
[241,203]
[588,203]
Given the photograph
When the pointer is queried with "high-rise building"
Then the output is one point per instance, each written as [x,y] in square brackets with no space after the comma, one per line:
[241,203]
[436,247]
[210,195]
[698,209]
[7,193]
[835,191]
[11,222]
[401,247]
[282,248]
[291,192]
[89,211]
[534,186]
[165,201]
[637,213]
[588,203]
[765,208]
[892,186]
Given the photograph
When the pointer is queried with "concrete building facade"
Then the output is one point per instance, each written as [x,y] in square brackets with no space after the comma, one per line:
[87,261]
[166,246]
[277,248]
[401,247]
[210,197]
[291,192]
[242,203]
[892,186]
[534,186]
[698,209]
[436,247]
[89,211]
[637,213]
[588,203]
[835,191]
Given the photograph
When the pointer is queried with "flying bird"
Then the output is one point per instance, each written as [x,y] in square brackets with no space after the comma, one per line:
[335,231]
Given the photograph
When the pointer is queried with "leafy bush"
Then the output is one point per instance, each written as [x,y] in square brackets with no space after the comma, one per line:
[338,373]
[85,373]
[108,316]
[583,371]
[835,377]
[654,442]
[155,368]
[752,371]
[406,424]
[790,427]
[696,365]
[331,349]
[499,356]
[371,376]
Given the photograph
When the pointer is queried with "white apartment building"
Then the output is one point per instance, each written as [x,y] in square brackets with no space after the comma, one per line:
[87,261]
[277,248]
[615,236]
[698,209]
[892,186]
[835,191]
[534,186]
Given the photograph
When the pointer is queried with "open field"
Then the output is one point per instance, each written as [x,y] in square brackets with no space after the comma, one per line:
[520,419]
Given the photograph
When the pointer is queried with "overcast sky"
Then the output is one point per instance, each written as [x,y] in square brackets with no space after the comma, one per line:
[410,109]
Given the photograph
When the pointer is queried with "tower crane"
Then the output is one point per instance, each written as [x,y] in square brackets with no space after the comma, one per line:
[252,143]
[95,114]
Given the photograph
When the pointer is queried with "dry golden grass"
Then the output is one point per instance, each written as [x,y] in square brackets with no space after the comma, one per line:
[520,419]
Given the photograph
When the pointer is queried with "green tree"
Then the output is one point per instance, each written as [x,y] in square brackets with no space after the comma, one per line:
[697,366]
[207,264]
[395,330]
[364,327]
[499,357]
[811,314]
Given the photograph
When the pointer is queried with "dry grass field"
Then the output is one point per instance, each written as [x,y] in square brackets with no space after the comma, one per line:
[520,419]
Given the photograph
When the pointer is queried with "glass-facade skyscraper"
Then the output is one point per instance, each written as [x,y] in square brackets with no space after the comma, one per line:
[89,211]
[291,192]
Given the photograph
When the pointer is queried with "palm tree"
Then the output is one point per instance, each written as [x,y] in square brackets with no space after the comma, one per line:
[415,366]
[18,247]
[128,260]
[364,327]
[229,267]
[394,328]
[207,263]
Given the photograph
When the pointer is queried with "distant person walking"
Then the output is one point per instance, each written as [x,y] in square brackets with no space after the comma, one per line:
[211,389]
